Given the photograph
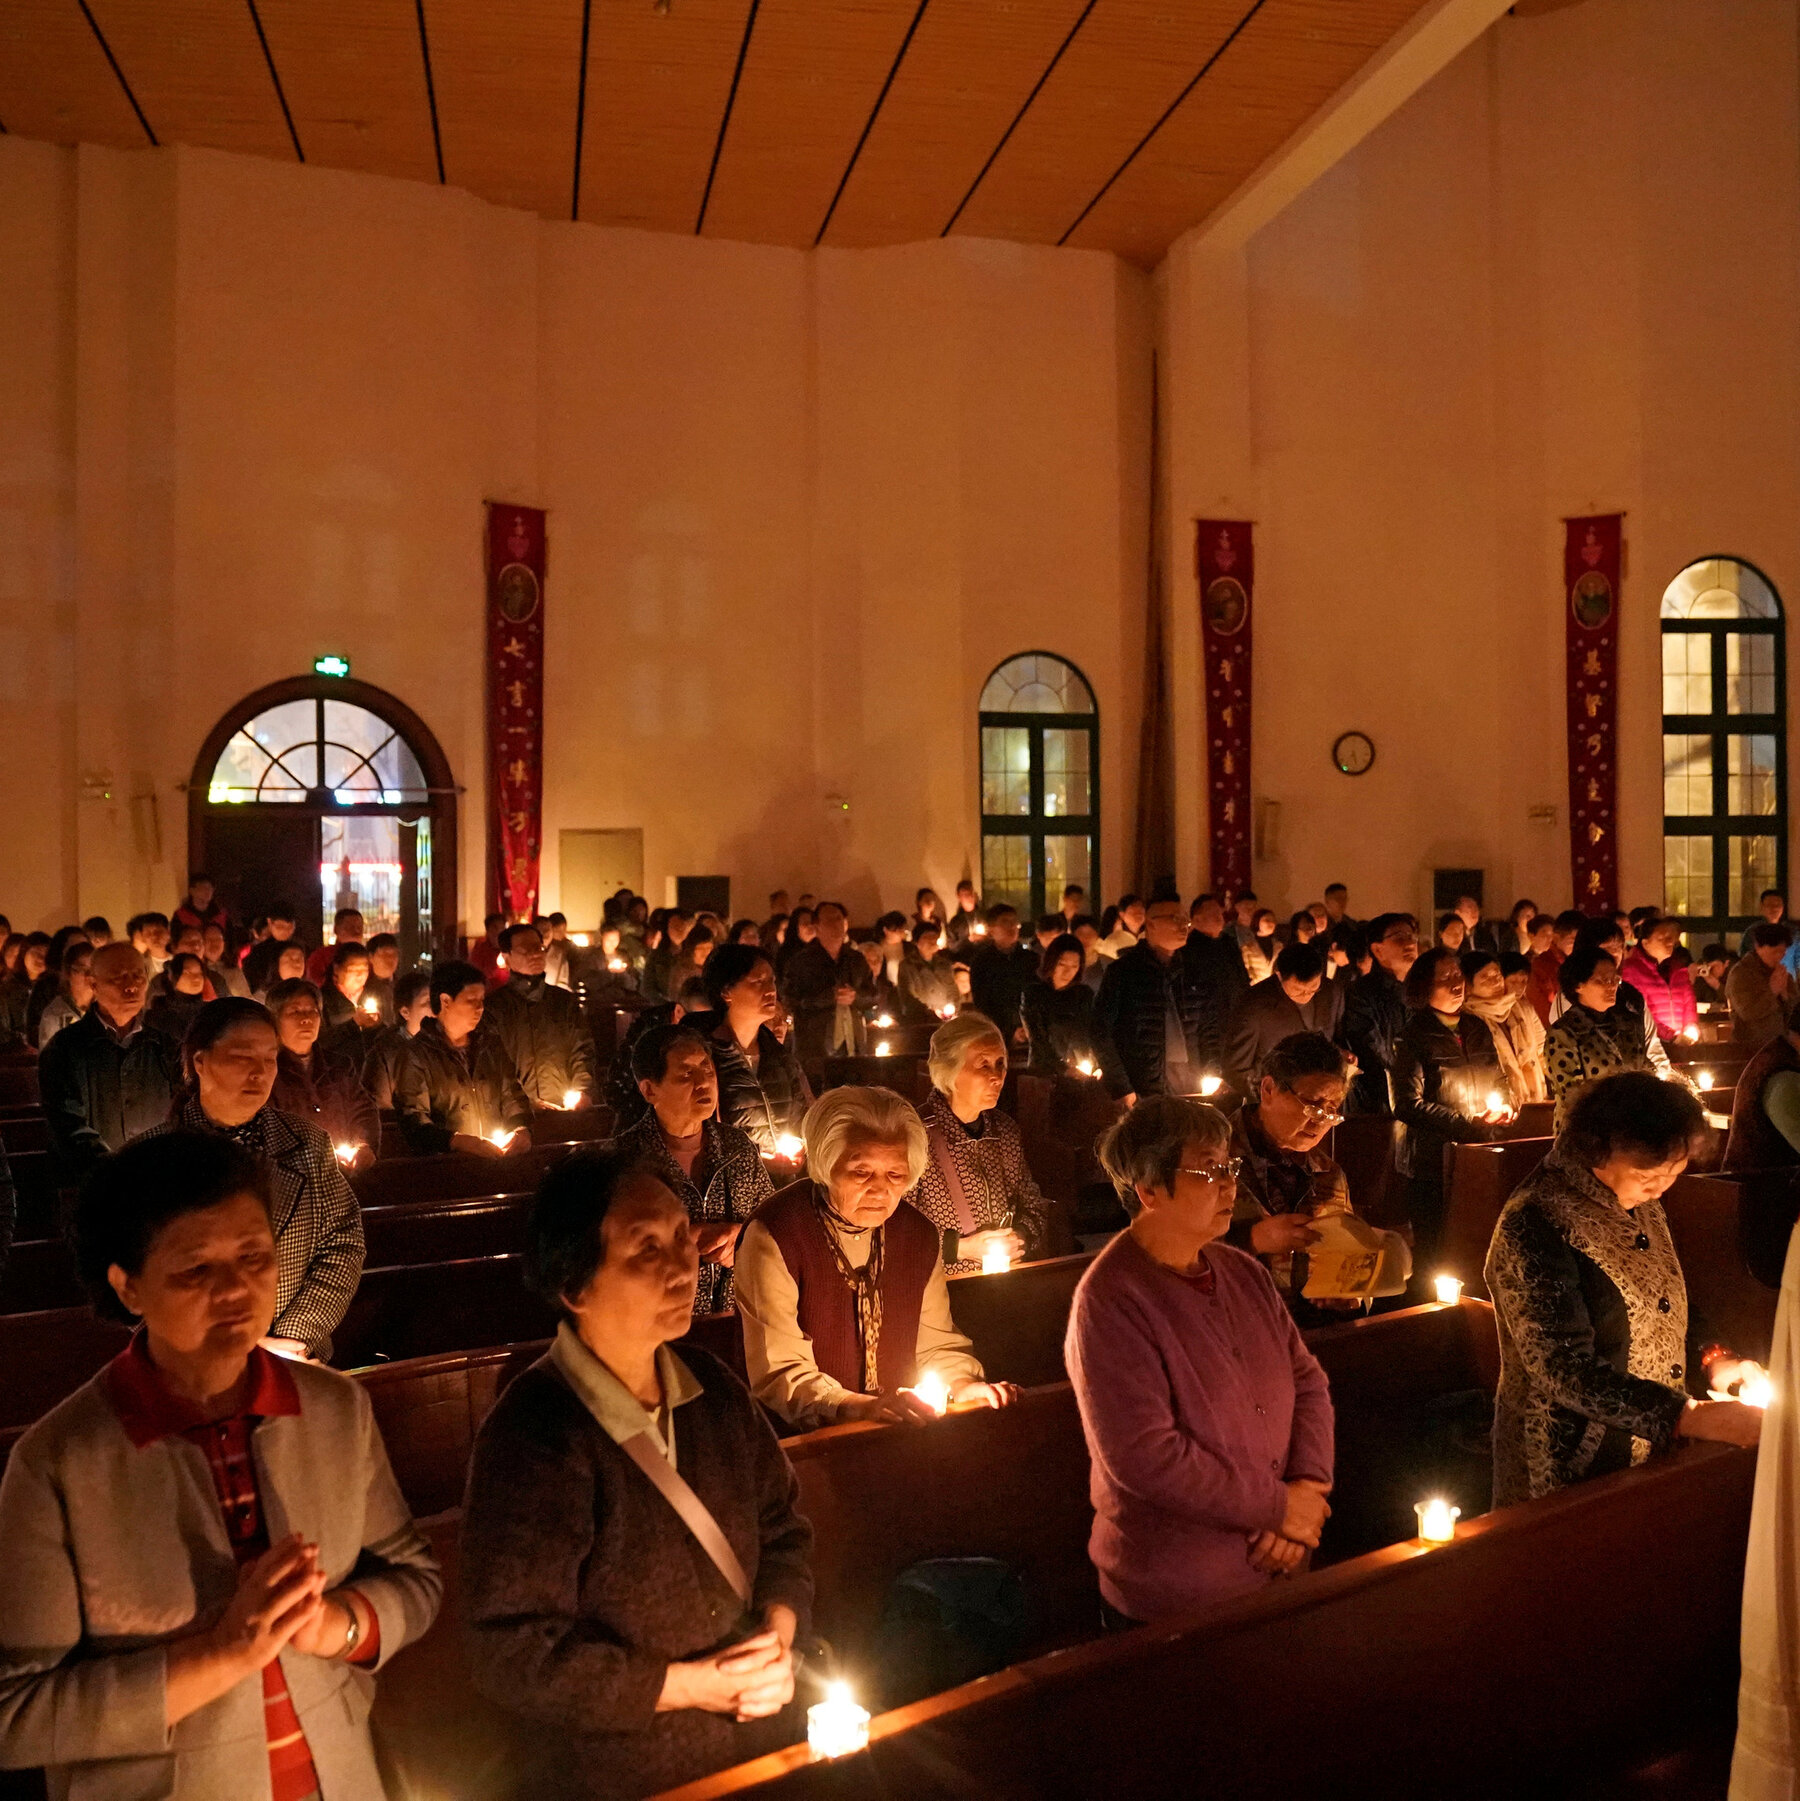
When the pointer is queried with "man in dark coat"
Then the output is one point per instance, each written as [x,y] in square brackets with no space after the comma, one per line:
[1148,1011]
[108,1076]
[1215,964]
[1375,1012]
[1000,971]
[456,1089]
[822,985]
[541,1027]
[1296,998]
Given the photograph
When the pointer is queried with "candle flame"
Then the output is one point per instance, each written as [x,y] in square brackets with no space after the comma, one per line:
[616,964]
[933,1391]
[1210,1085]
[371,1006]
[789,1146]
[571,1099]
[500,1138]
[1449,1290]
[882,1050]
[1705,1078]
[579,940]
[1437,1520]
[1691,1034]
[346,1153]
[947,1011]
[887,1019]
[1496,1101]
[996,1260]
[1085,1066]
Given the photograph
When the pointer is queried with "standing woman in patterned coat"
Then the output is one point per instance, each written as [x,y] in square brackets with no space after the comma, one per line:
[1591,1304]
[977,1188]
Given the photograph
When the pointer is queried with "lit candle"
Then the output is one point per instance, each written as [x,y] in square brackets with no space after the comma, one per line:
[1691,1034]
[978,930]
[1705,1078]
[996,1260]
[372,1007]
[882,1050]
[1756,1391]
[947,1010]
[1210,1085]
[887,1019]
[1449,1290]
[571,1099]
[1084,1066]
[788,1146]
[932,1390]
[500,1139]
[616,965]
[579,940]
[1496,1101]
[836,1726]
[1437,1521]
[346,1154]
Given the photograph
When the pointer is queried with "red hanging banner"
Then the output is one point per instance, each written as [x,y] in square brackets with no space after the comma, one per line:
[1225,567]
[1592,558]
[515,694]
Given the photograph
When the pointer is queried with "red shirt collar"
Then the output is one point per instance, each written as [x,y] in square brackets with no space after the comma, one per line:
[149,1409]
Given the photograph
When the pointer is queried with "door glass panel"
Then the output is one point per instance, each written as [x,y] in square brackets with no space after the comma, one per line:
[1066,860]
[1005,770]
[1749,672]
[1688,775]
[1006,870]
[1688,876]
[1751,769]
[1687,672]
[1750,866]
[359,866]
[1066,775]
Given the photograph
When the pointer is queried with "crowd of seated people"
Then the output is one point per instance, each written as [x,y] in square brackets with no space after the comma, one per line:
[212,1094]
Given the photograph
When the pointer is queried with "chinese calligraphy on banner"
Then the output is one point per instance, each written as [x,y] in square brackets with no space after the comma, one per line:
[515,679]
[1225,567]
[1592,555]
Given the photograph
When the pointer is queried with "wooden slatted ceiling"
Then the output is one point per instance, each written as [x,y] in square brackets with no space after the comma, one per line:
[1038,119]
[198,72]
[54,78]
[508,77]
[1129,62]
[1282,67]
[354,75]
[657,84]
[971,66]
[810,80]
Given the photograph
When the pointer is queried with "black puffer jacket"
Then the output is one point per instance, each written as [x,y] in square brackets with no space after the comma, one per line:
[1130,1017]
[1375,1015]
[545,1033]
[1442,1078]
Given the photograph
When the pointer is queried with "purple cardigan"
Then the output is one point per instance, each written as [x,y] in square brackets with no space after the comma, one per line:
[1197,1408]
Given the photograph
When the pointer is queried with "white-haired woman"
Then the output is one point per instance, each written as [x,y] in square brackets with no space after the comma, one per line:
[840,1285]
[977,1188]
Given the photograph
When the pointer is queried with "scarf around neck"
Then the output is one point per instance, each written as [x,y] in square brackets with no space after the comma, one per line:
[864,1285]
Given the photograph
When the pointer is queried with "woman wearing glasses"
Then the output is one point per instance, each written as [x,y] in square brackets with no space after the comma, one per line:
[1207,1419]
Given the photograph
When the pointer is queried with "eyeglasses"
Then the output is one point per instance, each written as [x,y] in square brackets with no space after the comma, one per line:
[1320,1112]
[1213,1172]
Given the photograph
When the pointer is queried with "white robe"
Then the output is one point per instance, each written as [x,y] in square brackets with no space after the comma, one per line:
[1764,1764]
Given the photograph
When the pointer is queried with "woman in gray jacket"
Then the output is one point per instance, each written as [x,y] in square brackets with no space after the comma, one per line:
[203,1552]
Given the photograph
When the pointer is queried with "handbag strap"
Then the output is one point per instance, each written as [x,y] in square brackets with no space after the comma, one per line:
[959,1199]
[643,1451]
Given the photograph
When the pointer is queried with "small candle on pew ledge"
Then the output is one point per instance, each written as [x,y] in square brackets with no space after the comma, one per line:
[836,1726]
[1705,1078]
[571,1099]
[499,1138]
[1210,1085]
[932,1389]
[882,1049]
[346,1154]
[1449,1290]
[1437,1520]
[995,1260]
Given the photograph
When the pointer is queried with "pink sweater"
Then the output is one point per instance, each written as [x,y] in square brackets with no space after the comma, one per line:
[1197,1408]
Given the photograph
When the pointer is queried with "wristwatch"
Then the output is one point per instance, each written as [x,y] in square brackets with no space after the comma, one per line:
[353,1637]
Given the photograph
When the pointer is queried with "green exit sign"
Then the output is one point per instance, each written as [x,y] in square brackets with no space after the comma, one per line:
[331,666]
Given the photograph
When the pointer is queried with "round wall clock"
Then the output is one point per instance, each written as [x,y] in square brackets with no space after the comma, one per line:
[1353,753]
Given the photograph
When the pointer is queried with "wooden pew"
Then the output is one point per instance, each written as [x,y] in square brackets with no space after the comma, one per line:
[1548,1635]
[1726,1302]
[1010,1484]
[1481,1179]
[20,1132]
[1060,1120]
[46,1356]
[455,1175]
[38,1183]
[1363,1148]
[425,1309]
[444,1231]
[903,1074]
[39,1275]
[1018,1320]
[19,1083]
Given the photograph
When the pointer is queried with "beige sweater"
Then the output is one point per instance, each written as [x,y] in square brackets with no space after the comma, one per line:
[109,1552]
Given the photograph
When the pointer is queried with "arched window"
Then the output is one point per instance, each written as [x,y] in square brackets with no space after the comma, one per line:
[1040,783]
[326,793]
[1724,676]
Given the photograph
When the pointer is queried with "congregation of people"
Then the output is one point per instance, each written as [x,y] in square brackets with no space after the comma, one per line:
[205,1559]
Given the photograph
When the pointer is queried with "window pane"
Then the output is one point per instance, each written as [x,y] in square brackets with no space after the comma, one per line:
[1750,863]
[1719,588]
[1687,775]
[1005,769]
[1066,774]
[1006,871]
[1036,685]
[1687,672]
[248,768]
[1749,672]
[1066,860]
[359,866]
[1751,769]
[1688,876]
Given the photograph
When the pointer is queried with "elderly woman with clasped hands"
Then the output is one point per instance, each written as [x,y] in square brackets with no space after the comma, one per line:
[1207,1418]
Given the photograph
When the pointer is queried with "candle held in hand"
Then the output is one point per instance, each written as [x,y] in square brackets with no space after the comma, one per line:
[1437,1521]
[1496,1101]
[1085,1066]
[788,1146]
[836,1726]
[616,965]
[499,1138]
[887,1019]
[947,1011]
[933,1391]
[1210,1085]
[346,1154]
[996,1260]
[1449,1290]
[571,1099]
[579,940]
[1691,1034]
[372,1008]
